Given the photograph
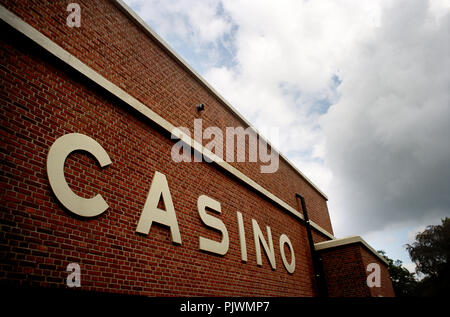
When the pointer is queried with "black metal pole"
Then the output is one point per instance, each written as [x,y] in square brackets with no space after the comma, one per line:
[319,276]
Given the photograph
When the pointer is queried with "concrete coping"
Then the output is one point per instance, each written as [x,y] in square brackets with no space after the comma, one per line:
[346,241]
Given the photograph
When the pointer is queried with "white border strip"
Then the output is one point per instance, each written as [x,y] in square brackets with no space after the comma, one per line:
[149,31]
[75,63]
[348,240]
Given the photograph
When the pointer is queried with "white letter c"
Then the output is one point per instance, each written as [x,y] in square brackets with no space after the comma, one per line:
[59,151]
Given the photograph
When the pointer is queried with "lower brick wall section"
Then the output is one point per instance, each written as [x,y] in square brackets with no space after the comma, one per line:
[346,275]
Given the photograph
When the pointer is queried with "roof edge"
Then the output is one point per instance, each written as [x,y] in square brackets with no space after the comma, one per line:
[346,241]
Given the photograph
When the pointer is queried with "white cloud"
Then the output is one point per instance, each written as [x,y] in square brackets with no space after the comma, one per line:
[298,42]
[287,59]
[197,30]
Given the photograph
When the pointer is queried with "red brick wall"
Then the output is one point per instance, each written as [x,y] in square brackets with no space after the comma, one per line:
[346,275]
[319,237]
[41,100]
[114,46]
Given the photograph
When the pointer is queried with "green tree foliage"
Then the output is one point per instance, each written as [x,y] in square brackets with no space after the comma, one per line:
[403,281]
[431,253]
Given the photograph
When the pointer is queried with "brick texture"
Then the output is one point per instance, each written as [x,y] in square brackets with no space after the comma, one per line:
[346,275]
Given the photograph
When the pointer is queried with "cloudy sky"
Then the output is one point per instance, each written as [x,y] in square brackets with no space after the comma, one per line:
[358,89]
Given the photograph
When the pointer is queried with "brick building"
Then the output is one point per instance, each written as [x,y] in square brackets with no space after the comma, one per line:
[113,82]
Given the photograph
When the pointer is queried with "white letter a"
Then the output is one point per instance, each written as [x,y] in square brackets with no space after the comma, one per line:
[151,212]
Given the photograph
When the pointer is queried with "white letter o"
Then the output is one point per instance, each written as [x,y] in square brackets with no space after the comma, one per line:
[290,267]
